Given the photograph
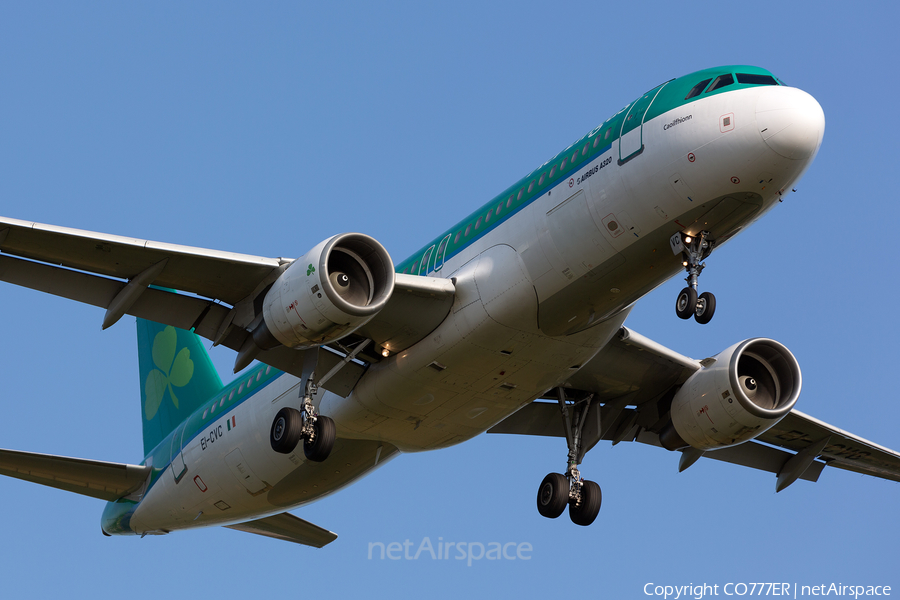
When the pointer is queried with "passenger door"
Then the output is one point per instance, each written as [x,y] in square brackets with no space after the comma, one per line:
[631,139]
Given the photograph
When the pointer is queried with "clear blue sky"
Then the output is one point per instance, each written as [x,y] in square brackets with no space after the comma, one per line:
[263,130]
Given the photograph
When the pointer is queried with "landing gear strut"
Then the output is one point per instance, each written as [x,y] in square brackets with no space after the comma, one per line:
[556,491]
[703,306]
[292,425]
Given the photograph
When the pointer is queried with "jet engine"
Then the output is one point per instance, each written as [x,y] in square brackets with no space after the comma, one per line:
[748,389]
[328,293]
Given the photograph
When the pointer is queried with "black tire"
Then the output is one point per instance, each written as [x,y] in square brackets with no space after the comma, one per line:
[591,498]
[706,308]
[553,495]
[319,449]
[286,429]
[686,304]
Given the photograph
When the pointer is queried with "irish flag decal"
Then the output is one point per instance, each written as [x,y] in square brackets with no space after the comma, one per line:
[231,423]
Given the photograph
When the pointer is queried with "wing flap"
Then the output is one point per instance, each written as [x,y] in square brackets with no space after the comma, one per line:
[161,306]
[289,528]
[764,458]
[417,306]
[798,431]
[98,479]
[211,273]
[633,364]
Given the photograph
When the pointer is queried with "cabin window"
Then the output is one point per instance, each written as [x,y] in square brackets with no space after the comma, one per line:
[478,223]
[574,157]
[456,239]
[596,141]
[720,82]
[205,412]
[268,370]
[499,208]
[756,79]
[584,150]
[522,191]
[608,132]
[231,396]
[426,261]
[563,165]
[415,266]
[212,408]
[509,202]
[531,186]
[487,218]
[468,229]
[259,376]
[222,402]
[543,177]
[441,252]
[241,389]
[553,172]
[697,89]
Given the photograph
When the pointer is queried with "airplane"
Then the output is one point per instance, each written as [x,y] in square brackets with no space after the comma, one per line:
[512,321]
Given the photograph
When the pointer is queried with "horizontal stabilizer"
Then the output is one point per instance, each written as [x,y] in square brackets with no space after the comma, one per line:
[98,479]
[289,528]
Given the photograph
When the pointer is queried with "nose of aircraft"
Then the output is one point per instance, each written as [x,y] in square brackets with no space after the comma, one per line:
[790,121]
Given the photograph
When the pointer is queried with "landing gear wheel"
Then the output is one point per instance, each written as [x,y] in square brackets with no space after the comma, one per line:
[706,308]
[585,512]
[553,495]
[686,304]
[320,446]
[287,428]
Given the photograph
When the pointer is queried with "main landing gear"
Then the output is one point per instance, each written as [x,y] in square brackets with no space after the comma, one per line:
[292,425]
[703,306]
[583,497]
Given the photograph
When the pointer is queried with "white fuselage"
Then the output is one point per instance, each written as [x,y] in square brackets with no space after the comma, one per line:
[536,298]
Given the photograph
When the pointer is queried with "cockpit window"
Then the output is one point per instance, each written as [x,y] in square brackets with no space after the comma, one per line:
[720,82]
[756,79]
[697,89]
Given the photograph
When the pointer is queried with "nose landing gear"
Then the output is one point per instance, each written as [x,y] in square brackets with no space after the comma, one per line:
[703,306]
[556,490]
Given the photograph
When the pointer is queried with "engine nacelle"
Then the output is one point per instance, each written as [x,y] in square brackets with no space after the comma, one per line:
[751,386]
[334,289]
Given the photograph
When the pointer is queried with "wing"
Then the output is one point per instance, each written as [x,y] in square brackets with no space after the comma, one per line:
[289,528]
[125,276]
[103,480]
[633,376]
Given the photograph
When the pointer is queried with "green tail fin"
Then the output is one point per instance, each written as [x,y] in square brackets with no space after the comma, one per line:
[177,377]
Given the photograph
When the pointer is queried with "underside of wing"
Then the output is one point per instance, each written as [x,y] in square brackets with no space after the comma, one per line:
[103,480]
[210,273]
[626,393]
[841,449]
[225,293]
[289,528]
